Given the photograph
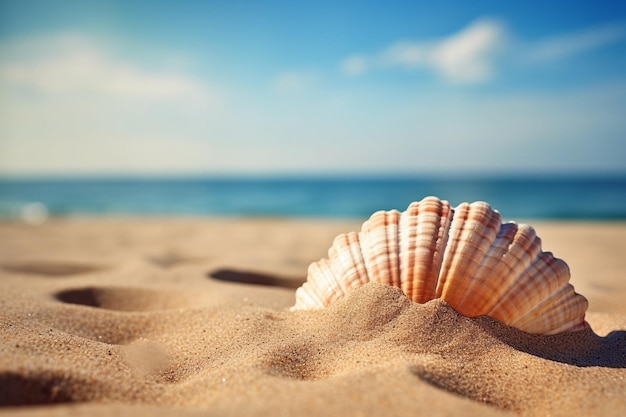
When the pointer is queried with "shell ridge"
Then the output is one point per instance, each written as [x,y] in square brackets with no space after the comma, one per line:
[424,247]
[544,276]
[408,221]
[324,283]
[393,236]
[478,231]
[366,246]
[510,254]
[460,214]
[382,250]
[306,297]
[572,326]
[346,261]
[490,274]
[320,289]
[562,306]
[464,255]
[443,236]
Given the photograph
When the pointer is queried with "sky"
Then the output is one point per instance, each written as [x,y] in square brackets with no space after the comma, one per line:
[161,88]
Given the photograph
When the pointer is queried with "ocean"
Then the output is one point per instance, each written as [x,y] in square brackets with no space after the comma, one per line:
[564,198]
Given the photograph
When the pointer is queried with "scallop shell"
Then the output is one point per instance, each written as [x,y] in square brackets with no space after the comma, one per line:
[464,255]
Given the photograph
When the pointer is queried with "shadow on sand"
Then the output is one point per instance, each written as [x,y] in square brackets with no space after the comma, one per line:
[255,278]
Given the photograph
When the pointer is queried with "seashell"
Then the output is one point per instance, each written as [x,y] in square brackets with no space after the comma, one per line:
[464,255]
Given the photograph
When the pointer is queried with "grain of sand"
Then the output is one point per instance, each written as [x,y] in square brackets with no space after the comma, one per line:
[190,316]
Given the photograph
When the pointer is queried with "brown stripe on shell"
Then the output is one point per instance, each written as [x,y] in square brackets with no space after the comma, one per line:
[562,306]
[542,278]
[510,253]
[347,262]
[463,255]
[321,285]
[473,229]
[423,237]
[379,237]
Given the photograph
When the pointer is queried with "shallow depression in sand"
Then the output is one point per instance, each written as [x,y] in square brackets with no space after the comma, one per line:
[255,278]
[42,388]
[51,268]
[296,361]
[123,298]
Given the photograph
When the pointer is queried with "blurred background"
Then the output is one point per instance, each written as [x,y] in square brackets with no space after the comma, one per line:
[322,108]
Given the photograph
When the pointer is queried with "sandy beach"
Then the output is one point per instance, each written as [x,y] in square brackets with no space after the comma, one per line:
[190,316]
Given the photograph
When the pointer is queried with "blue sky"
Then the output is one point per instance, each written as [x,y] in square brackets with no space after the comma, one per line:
[183,88]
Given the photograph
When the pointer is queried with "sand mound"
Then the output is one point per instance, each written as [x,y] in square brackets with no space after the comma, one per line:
[190,317]
[375,346]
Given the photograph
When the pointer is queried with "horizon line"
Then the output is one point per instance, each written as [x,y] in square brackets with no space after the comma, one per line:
[310,175]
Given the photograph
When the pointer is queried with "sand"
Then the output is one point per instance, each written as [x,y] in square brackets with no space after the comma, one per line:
[191,317]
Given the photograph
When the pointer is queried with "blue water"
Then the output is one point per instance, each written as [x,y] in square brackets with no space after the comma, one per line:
[516,198]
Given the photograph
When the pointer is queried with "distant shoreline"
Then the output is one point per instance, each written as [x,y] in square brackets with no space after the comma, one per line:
[554,198]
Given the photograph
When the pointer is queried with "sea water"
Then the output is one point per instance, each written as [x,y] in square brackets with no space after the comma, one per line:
[591,198]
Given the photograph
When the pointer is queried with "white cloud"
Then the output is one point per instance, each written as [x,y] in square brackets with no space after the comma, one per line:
[70,104]
[71,64]
[355,65]
[465,57]
[564,46]
[580,129]
[295,81]
[468,56]
[74,126]
[409,55]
